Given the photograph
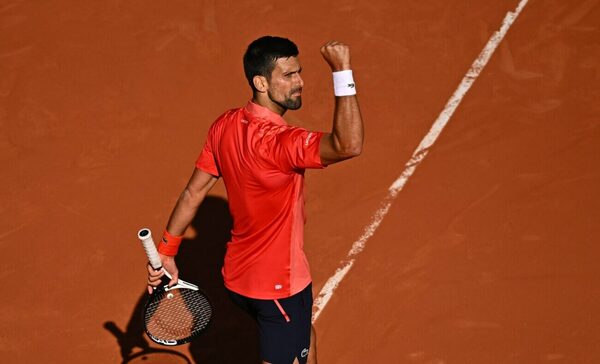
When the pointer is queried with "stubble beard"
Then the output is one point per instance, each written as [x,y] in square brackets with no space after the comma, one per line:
[288,103]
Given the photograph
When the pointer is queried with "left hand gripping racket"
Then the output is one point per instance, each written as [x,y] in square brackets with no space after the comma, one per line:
[173,315]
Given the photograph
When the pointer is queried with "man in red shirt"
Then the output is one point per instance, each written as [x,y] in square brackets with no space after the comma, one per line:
[262,162]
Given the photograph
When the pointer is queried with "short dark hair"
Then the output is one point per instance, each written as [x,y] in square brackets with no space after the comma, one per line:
[261,55]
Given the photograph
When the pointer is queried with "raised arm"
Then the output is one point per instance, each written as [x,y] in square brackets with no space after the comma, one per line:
[346,138]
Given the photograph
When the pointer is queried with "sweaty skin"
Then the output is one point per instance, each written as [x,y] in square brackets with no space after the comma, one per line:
[279,92]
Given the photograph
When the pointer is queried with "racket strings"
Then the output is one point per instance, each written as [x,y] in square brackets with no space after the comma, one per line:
[177,314]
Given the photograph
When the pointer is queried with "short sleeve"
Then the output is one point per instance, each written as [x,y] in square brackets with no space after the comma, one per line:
[206,160]
[295,148]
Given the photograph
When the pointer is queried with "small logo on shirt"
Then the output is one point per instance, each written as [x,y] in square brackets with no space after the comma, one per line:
[304,353]
[351,85]
[308,138]
[244,121]
[278,287]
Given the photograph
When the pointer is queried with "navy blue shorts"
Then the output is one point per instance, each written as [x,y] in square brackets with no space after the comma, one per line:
[284,325]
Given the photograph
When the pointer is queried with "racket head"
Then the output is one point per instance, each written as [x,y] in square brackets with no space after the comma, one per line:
[176,315]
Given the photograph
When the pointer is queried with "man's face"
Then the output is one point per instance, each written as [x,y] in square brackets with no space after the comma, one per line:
[285,84]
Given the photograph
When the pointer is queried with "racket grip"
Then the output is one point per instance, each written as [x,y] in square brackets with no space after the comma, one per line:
[146,238]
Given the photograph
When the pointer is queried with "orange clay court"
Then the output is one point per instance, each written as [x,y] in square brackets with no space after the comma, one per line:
[487,254]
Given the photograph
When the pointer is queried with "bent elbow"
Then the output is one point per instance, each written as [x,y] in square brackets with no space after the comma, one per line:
[356,151]
[351,151]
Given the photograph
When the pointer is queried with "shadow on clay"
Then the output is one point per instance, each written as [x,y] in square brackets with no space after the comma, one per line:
[232,336]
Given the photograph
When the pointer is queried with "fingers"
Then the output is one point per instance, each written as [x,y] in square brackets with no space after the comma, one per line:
[337,55]
[330,43]
[154,278]
[171,267]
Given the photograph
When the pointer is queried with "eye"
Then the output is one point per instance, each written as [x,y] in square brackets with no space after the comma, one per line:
[291,74]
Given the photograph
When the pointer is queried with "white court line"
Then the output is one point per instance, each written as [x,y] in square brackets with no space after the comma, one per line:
[418,156]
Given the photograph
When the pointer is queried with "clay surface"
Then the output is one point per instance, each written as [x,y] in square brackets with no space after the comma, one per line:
[488,255]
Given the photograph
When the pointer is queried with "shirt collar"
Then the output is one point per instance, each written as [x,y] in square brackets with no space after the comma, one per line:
[261,112]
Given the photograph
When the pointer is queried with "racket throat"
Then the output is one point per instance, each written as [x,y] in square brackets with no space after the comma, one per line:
[181,284]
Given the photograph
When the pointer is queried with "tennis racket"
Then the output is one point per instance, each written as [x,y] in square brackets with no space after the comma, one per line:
[173,315]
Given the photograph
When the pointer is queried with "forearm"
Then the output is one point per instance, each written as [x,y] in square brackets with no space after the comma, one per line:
[190,199]
[348,131]
[184,211]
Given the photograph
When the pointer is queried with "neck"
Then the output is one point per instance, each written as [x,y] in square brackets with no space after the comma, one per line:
[265,101]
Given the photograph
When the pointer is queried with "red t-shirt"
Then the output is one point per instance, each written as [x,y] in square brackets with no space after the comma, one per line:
[262,162]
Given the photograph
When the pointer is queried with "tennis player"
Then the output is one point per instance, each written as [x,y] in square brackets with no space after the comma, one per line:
[262,161]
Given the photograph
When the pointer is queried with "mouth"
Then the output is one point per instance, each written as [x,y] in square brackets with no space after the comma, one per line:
[297,92]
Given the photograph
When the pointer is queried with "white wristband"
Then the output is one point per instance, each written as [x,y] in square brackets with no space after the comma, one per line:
[343,83]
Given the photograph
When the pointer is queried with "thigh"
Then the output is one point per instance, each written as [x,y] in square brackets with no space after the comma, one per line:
[242,302]
[285,327]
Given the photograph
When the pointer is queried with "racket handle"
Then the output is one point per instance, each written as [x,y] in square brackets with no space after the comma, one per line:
[146,237]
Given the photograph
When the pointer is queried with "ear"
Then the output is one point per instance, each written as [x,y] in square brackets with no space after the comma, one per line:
[260,83]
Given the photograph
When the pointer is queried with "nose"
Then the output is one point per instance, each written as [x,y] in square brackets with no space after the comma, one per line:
[299,80]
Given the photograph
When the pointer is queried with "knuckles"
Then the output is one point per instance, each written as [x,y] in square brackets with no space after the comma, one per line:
[335,52]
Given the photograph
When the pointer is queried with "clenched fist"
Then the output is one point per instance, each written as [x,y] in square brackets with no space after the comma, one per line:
[337,55]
